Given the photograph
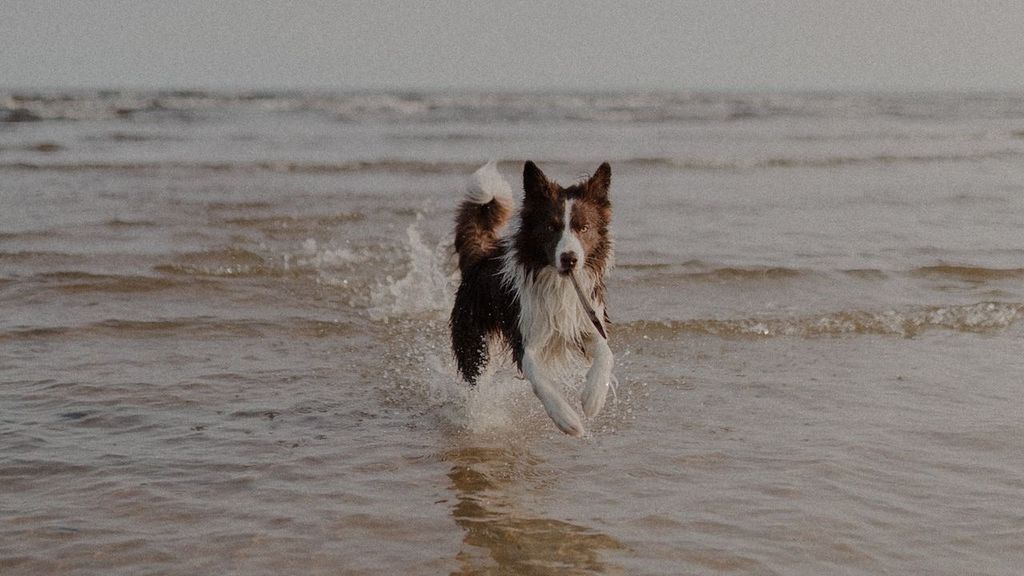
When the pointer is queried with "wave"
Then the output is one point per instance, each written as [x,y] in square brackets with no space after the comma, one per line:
[980,317]
[79,282]
[42,147]
[488,107]
[976,274]
[441,137]
[240,205]
[28,235]
[665,274]
[310,259]
[84,282]
[121,223]
[135,137]
[294,224]
[412,166]
[730,274]
[179,327]
[703,273]
[695,164]
[227,262]
[404,166]
[19,115]
[40,257]
[866,274]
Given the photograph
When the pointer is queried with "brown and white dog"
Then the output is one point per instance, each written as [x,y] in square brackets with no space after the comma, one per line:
[517,284]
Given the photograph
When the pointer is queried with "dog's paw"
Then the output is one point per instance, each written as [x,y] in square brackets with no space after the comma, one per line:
[594,395]
[595,388]
[567,421]
[560,411]
[564,416]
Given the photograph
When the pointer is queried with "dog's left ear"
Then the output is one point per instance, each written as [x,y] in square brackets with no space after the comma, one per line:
[600,182]
[536,184]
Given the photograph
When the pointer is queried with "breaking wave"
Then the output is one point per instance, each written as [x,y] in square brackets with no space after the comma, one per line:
[979,317]
[680,106]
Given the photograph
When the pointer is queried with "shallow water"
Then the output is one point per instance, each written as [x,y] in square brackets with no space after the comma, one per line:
[224,349]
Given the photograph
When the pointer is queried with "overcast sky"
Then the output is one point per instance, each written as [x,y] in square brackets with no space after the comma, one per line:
[568,44]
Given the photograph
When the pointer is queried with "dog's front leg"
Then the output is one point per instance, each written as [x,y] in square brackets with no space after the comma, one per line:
[555,404]
[595,389]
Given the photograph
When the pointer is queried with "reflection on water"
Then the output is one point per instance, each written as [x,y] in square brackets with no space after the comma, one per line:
[503,538]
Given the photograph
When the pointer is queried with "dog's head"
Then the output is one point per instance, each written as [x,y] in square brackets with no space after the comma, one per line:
[565,228]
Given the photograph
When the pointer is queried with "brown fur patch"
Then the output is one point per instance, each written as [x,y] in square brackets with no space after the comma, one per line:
[476,230]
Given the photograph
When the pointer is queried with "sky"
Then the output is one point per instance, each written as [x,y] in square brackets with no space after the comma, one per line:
[558,45]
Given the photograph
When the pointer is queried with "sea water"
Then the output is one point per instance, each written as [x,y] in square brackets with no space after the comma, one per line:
[223,338]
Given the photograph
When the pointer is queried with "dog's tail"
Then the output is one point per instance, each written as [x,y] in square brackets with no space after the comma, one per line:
[484,210]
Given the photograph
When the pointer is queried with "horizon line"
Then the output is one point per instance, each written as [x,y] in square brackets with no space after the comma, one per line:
[423,89]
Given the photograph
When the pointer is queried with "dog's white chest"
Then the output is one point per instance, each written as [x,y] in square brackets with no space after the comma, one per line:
[552,321]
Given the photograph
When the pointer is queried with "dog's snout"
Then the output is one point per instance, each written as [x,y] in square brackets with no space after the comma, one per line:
[568,261]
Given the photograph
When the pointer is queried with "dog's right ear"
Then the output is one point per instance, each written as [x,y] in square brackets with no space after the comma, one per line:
[598,184]
[535,183]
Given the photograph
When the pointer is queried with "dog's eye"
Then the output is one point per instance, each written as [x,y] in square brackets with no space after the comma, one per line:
[584,228]
[554,227]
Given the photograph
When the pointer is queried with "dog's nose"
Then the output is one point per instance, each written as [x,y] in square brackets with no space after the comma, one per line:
[568,261]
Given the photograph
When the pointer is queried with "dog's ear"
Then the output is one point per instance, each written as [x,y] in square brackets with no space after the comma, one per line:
[535,183]
[600,182]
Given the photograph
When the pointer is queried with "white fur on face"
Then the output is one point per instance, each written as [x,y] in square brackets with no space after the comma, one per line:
[568,242]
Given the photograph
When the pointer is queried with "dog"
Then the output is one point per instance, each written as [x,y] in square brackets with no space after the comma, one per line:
[517,290]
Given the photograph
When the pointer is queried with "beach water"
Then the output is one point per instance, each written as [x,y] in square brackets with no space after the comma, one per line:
[223,338]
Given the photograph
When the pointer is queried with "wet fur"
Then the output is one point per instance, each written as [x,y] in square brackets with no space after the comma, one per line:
[514,292]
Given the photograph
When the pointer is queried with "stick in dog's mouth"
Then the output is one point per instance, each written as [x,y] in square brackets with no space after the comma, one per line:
[587,307]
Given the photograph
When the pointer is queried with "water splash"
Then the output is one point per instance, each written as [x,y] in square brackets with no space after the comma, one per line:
[323,257]
[421,376]
[495,403]
[425,290]
[422,368]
